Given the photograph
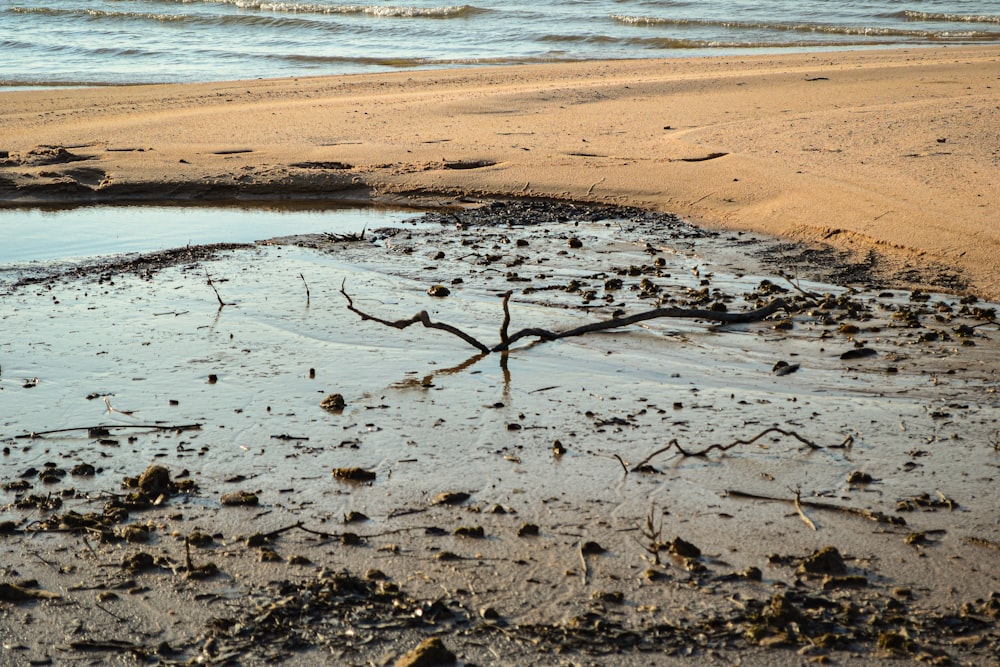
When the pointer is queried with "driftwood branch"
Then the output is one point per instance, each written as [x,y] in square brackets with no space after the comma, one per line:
[674,444]
[618,322]
[422,318]
[506,340]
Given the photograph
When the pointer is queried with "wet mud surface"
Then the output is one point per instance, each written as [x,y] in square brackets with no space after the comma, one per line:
[209,459]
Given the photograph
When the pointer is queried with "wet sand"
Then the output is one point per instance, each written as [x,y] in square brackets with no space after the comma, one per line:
[611,542]
[890,152]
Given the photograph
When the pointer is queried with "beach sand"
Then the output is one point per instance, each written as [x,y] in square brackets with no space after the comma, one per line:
[663,493]
[890,151]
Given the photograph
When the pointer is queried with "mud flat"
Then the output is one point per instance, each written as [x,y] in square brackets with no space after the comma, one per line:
[180,484]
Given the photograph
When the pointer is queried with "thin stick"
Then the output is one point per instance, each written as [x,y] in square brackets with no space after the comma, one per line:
[307,284]
[622,462]
[583,561]
[774,429]
[155,427]
[422,317]
[871,515]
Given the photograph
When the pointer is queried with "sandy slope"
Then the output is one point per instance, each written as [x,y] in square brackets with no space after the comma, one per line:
[894,150]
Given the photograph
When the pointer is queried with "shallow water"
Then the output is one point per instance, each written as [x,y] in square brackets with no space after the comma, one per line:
[38,235]
[133,41]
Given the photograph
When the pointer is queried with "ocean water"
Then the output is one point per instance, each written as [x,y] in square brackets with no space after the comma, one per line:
[45,42]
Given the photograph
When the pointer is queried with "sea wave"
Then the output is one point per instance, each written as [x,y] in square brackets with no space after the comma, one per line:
[861,31]
[186,19]
[382,11]
[911,15]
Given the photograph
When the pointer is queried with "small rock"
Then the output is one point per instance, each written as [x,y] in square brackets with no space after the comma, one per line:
[826,561]
[333,403]
[858,477]
[438,291]
[683,548]
[450,498]
[240,499]
[429,653]
[155,481]
[354,475]
[527,530]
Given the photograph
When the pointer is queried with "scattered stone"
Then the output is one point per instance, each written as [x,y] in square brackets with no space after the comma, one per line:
[240,499]
[683,548]
[333,403]
[155,481]
[354,475]
[429,653]
[528,530]
[858,477]
[474,532]
[450,498]
[439,291]
[826,561]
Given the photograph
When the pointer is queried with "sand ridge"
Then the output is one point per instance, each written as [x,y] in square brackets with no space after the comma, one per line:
[893,151]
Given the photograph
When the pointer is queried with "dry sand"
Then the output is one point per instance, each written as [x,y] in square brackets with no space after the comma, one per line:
[906,437]
[894,150]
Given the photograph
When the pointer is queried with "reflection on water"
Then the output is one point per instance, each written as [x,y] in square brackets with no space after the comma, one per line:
[35,234]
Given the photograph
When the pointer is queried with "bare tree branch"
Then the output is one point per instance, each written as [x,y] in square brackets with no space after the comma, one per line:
[544,334]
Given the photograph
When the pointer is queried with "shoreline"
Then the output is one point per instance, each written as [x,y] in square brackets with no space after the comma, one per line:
[884,153]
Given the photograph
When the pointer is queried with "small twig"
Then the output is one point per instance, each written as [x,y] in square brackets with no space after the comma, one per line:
[583,562]
[622,462]
[307,284]
[212,285]
[590,190]
[802,514]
